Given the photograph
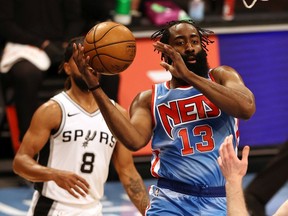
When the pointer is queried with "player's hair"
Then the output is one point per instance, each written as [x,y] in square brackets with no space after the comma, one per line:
[67,55]
[164,33]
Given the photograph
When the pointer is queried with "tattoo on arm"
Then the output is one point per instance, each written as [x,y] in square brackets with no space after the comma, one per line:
[137,193]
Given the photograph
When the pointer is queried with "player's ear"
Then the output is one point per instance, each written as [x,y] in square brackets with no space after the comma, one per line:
[67,68]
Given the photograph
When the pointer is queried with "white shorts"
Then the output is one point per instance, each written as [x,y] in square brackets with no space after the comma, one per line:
[44,206]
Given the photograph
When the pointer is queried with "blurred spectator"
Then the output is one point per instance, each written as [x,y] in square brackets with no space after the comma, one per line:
[34,26]
[136,8]
[93,12]
[228,10]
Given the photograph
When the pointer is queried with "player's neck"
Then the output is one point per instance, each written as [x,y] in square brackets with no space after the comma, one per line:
[83,99]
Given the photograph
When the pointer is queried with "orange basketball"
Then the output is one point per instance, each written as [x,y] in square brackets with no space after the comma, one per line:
[111,47]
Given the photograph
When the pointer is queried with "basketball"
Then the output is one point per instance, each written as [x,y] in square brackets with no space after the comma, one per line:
[111,47]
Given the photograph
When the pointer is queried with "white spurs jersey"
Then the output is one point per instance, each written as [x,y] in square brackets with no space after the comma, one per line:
[84,145]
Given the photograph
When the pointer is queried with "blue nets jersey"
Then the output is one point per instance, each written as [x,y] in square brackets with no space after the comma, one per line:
[188,131]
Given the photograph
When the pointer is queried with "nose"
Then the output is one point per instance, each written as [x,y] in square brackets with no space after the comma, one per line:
[190,47]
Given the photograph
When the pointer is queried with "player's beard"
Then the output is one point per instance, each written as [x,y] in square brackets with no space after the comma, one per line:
[80,82]
[201,67]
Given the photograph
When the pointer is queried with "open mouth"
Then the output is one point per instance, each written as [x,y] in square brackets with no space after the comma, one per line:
[191,60]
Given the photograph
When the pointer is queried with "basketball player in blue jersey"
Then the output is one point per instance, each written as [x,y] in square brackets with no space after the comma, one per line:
[74,148]
[187,118]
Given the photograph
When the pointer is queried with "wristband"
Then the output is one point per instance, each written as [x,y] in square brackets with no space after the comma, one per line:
[94,87]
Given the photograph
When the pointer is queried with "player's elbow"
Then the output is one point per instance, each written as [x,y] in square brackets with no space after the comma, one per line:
[15,165]
[134,148]
[248,111]
[134,144]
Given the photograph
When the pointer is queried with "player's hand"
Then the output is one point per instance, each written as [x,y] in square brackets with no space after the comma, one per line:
[178,68]
[231,166]
[90,76]
[71,182]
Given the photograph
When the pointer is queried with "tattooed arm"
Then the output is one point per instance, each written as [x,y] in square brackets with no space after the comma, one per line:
[130,178]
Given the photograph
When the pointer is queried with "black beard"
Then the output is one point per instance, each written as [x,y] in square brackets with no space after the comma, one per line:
[201,66]
[81,84]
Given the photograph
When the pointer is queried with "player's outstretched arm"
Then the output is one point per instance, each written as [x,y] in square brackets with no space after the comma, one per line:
[134,134]
[233,170]
[45,119]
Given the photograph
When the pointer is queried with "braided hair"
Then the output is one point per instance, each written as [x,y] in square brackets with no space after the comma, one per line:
[164,33]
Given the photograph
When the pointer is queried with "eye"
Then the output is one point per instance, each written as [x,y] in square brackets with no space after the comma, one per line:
[179,43]
[195,42]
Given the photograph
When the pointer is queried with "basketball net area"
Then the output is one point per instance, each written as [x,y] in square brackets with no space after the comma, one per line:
[252,4]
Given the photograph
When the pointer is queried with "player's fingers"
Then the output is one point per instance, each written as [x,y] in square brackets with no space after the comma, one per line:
[171,53]
[229,144]
[78,187]
[87,60]
[221,149]
[80,48]
[83,182]
[166,66]
[222,146]
[245,153]
[165,58]
[75,50]
[80,190]
[224,151]
[77,55]
[158,46]
[164,48]
[72,192]
[219,160]
[91,70]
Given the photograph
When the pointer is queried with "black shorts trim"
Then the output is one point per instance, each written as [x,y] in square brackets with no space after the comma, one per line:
[43,206]
[193,190]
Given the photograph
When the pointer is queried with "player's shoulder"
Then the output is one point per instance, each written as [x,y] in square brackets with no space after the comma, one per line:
[142,99]
[51,104]
[50,107]
[48,114]
[222,72]
[144,95]
[222,69]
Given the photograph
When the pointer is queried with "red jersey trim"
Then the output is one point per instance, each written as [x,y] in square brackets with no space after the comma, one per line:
[153,104]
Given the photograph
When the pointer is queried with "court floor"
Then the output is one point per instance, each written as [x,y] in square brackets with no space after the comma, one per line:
[14,201]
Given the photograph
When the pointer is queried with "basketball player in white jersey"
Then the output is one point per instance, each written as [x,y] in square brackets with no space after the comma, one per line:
[74,148]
